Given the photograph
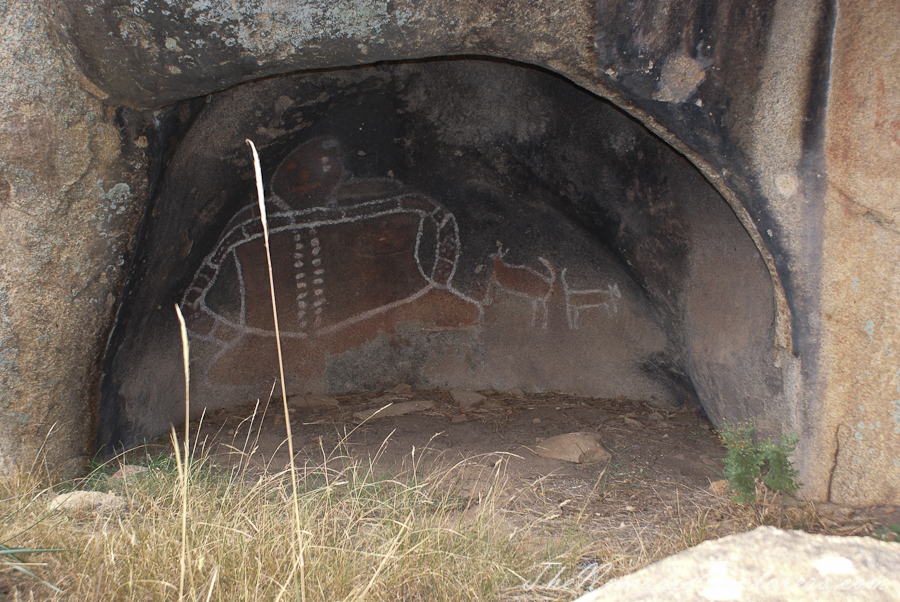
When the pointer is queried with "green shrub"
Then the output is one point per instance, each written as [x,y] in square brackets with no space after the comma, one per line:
[749,463]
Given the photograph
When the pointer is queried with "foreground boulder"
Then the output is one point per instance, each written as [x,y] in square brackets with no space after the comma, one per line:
[764,565]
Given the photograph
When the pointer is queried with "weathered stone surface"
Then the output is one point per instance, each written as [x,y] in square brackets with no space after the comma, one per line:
[573,447]
[72,190]
[397,273]
[861,258]
[695,81]
[766,565]
[153,52]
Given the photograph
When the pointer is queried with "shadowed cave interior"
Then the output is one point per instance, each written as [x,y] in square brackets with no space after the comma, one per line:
[475,224]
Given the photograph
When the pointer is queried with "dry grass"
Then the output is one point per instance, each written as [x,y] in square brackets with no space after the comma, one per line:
[367,536]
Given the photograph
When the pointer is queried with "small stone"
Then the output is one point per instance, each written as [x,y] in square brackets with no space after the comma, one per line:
[401,389]
[517,393]
[574,447]
[536,421]
[655,416]
[127,471]
[314,401]
[719,487]
[467,399]
[396,409]
[86,500]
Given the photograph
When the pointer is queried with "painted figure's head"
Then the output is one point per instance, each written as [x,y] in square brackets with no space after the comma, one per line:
[309,174]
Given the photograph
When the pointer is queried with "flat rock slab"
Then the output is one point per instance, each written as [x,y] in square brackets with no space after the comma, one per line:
[86,500]
[314,401]
[396,409]
[766,565]
[467,399]
[573,447]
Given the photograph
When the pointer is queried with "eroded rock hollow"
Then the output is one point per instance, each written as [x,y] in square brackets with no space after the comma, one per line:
[467,223]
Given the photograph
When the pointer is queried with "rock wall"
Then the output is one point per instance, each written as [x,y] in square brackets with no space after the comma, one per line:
[72,188]
[861,257]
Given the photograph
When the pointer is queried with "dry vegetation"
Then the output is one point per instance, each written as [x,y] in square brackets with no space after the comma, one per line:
[366,536]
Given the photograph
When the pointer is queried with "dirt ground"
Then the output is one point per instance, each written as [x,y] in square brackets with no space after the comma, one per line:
[657,483]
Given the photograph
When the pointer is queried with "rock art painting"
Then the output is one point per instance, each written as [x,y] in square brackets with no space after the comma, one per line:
[578,301]
[351,258]
[539,288]
[523,281]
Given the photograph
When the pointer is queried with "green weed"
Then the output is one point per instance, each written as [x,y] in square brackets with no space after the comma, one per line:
[750,463]
[884,533]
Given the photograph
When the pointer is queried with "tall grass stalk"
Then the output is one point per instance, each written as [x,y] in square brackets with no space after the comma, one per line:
[183,466]
[287,417]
